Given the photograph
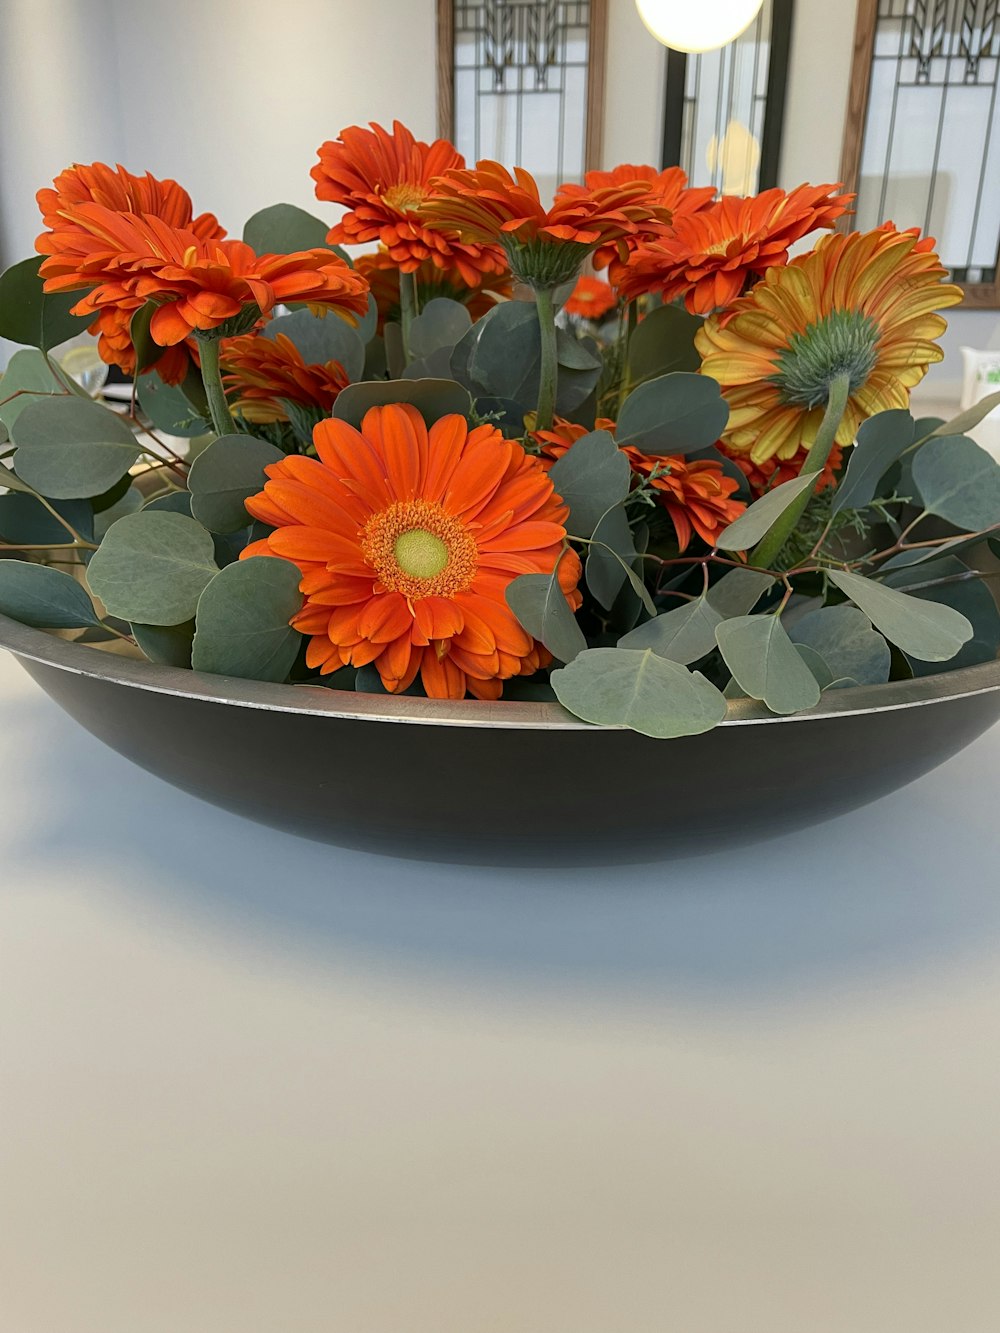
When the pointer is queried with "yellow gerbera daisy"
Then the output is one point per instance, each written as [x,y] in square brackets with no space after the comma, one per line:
[861,305]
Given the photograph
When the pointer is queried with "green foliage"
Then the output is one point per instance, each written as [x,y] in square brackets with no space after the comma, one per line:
[433,399]
[27,378]
[764,662]
[242,621]
[321,338]
[33,317]
[168,645]
[224,476]
[922,629]
[687,633]
[958,481]
[541,608]
[844,639]
[284,229]
[610,558]
[24,519]
[152,567]
[44,598]
[169,408]
[674,414]
[440,324]
[663,343]
[882,440]
[757,521]
[592,477]
[616,687]
[949,582]
[70,448]
[128,503]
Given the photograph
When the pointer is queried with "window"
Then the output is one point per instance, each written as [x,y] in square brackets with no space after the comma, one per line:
[922,142]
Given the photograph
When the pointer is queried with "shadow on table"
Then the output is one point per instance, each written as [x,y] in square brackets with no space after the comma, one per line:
[885,890]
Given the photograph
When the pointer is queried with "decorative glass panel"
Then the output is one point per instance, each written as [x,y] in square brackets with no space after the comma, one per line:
[931,150]
[723,108]
[521,75]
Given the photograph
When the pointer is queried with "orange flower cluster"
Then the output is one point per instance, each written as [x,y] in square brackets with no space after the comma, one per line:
[407,539]
[763,476]
[198,281]
[259,371]
[381,272]
[696,493]
[709,256]
[591,298]
[383,180]
[667,191]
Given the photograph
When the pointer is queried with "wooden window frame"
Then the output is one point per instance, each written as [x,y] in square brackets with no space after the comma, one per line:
[978,296]
[597,63]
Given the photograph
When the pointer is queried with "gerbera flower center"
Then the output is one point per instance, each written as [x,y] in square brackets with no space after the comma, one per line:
[404,197]
[844,342]
[419,550]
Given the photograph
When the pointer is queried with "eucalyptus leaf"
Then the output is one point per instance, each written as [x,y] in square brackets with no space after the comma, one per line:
[816,664]
[168,645]
[147,352]
[618,688]
[224,476]
[609,560]
[152,567]
[129,503]
[284,229]
[844,638]
[958,481]
[242,624]
[500,357]
[72,448]
[969,418]
[321,338]
[747,530]
[169,408]
[759,653]
[882,439]
[540,606]
[687,633]
[26,380]
[440,324]
[43,597]
[32,316]
[674,414]
[592,476]
[24,519]
[175,502]
[919,628]
[663,343]
[433,399]
[963,592]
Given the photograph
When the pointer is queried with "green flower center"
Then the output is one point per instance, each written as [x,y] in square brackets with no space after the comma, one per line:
[845,342]
[420,554]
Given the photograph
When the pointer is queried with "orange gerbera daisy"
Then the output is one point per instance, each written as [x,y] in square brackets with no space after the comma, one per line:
[770,472]
[709,257]
[382,180]
[382,274]
[407,540]
[261,373]
[668,190]
[121,192]
[696,493]
[861,305]
[126,260]
[544,246]
[591,298]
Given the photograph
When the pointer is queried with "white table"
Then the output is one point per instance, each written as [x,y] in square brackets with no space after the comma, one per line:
[249,1084]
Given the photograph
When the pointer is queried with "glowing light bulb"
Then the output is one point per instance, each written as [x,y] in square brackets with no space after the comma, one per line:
[697,25]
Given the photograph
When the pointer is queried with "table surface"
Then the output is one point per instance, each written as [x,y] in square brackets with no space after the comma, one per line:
[250,1084]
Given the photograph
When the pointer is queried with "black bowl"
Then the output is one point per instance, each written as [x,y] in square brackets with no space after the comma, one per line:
[516,782]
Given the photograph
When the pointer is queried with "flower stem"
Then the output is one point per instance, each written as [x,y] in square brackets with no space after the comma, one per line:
[769,547]
[211,377]
[407,309]
[549,368]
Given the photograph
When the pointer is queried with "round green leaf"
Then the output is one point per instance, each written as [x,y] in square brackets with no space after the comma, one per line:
[283,229]
[760,518]
[844,638]
[762,657]
[169,408]
[32,316]
[44,598]
[321,338]
[923,629]
[69,448]
[169,645]
[224,476]
[959,481]
[152,567]
[687,633]
[440,324]
[662,344]
[541,607]
[25,520]
[882,439]
[433,399]
[618,687]
[27,378]
[673,414]
[592,477]
[242,621]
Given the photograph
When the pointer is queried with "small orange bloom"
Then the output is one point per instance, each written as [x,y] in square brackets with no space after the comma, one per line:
[591,298]
[711,256]
[381,272]
[407,539]
[763,476]
[696,493]
[382,180]
[544,246]
[68,238]
[260,371]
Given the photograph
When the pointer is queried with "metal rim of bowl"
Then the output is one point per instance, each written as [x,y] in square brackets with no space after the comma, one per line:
[319,701]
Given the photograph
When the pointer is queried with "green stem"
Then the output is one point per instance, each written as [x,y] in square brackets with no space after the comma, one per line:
[407,309]
[769,547]
[549,367]
[211,377]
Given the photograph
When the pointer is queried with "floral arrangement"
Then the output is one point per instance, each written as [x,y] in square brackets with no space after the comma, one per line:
[621,450]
